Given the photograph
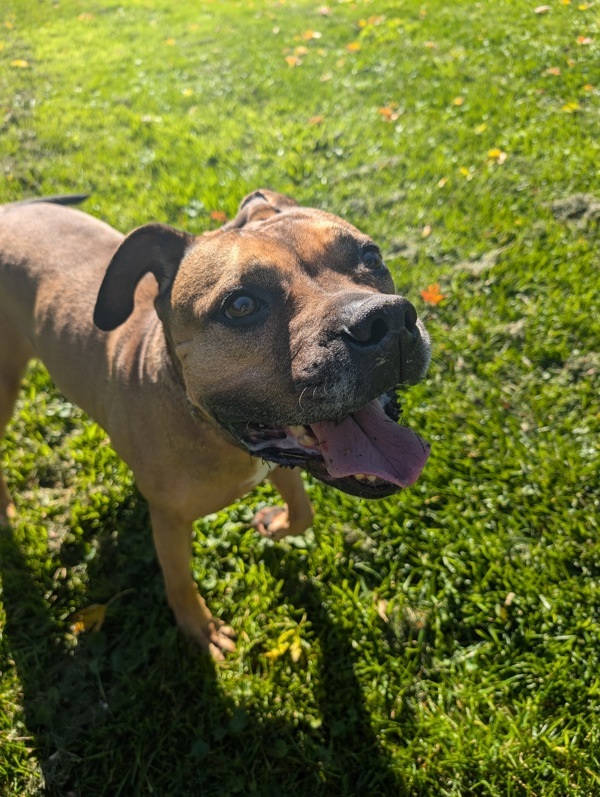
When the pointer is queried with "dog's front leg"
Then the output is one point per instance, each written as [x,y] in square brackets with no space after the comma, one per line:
[173,543]
[293,518]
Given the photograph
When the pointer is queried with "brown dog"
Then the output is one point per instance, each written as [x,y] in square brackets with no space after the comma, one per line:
[213,361]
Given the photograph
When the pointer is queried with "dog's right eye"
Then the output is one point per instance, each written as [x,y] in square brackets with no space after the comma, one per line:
[240,306]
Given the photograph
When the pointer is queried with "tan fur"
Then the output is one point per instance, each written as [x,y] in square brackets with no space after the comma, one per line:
[140,378]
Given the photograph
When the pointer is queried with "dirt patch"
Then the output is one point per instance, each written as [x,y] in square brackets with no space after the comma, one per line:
[580,208]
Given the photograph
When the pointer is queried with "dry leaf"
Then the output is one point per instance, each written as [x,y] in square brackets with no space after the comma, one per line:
[426,231]
[89,619]
[432,294]
[218,215]
[311,34]
[353,47]
[458,101]
[542,9]
[553,70]
[293,60]
[497,156]
[389,114]
[316,120]
[584,40]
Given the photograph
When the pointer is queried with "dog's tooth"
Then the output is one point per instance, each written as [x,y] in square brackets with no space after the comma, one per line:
[372,478]
[360,476]
[307,440]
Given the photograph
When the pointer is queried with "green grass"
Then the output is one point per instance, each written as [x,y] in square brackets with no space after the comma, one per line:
[450,636]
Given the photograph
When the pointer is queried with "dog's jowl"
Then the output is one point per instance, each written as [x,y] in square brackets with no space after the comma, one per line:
[216,361]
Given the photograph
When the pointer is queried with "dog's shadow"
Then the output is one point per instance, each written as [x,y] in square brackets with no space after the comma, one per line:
[149,699]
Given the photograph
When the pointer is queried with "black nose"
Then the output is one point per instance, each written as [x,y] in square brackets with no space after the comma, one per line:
[367,322]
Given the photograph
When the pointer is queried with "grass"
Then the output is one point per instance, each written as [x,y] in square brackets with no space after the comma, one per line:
[447,639]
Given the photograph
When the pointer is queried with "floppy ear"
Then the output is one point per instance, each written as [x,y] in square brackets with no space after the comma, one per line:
[259,205]
[153,247]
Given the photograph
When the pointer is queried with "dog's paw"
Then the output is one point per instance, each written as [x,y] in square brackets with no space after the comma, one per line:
[275,522]
[7,513]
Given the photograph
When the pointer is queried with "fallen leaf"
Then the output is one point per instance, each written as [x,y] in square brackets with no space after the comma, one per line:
[432,294]
[588,87]
[442,182]
[311,34]
[89,619]
[324,11]
[458,101]
[381,607]
[353,47]
[426,231]
[327,76]
[293,60]
[301,50]
[542,9]
[553,70]
[496,155]
[316,120]
[584,40]
[430,45]
[218,215]
[20,63]
[85,17]
[480,129]
[389,114]
[570,107]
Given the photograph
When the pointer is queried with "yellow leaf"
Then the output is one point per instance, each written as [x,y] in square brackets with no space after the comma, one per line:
[89,619]
[353,47]
[553,70]
[293,60]
[430,45]
[588,87]
[442,182]
[311,34]
[20,63]
[278,651]
[301,50]
[497,155]
[296,649]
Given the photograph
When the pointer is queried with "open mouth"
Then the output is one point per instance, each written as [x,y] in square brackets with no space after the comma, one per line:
[366,454]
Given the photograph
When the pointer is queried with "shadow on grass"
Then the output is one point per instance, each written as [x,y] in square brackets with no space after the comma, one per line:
[137,711]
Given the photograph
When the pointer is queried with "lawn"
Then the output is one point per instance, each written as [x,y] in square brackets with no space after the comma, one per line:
[441,643]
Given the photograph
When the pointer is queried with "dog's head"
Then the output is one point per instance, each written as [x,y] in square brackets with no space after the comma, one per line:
[289,335]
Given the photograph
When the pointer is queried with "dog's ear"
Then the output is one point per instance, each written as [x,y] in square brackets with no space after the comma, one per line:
[259,205]
[153,247]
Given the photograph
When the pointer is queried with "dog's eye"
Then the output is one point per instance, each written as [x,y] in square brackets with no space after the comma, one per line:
[371,258]
[240,305]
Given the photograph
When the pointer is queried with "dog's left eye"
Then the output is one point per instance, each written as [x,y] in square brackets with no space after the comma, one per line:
[371,258]
[239,306]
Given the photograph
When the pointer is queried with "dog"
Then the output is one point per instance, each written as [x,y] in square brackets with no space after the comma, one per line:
[215,361]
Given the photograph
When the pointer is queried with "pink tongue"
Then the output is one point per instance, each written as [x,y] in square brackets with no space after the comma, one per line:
[371,443]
